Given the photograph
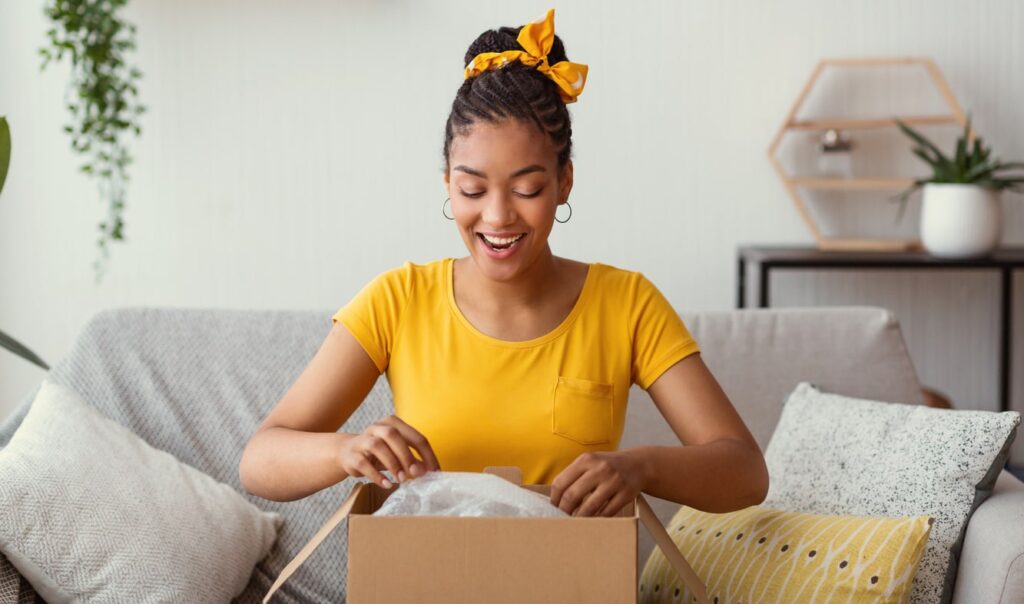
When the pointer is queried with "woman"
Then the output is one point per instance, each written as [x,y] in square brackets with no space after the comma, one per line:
[511,355]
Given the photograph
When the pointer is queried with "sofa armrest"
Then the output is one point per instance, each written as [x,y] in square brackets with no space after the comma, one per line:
[992,559]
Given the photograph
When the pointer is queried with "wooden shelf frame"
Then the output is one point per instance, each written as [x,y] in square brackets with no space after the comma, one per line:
[794,184]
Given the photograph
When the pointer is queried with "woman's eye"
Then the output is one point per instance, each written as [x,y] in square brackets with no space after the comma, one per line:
[475,195]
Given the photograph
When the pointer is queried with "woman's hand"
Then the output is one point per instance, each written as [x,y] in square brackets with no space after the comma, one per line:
[386,445]
[598,483]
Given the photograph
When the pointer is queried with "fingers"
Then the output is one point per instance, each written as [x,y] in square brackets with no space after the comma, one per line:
[594,501]
[572,496]
[592,485]
[381,449]
[397,450]
[417,441]
[364,467]
[566,479]
[615,504]
[388,445]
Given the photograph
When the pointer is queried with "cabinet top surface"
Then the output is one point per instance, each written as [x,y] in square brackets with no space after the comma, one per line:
[811,255]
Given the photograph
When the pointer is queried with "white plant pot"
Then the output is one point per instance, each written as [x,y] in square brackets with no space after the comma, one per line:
[960,220]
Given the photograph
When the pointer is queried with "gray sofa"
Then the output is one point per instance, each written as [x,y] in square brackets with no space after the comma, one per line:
[196,382]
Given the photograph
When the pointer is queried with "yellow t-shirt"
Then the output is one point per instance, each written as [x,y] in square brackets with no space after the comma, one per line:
[536,404]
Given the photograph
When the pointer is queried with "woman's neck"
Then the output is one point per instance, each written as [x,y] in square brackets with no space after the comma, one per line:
[527,290]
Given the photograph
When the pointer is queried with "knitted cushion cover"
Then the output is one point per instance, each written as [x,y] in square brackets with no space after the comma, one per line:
[93,513]
[834,454]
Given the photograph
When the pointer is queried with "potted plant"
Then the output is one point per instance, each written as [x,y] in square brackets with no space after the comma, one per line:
[7,341]
[961,212]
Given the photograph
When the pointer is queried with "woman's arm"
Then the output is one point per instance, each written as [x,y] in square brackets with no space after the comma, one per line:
[721,467]
[297,450]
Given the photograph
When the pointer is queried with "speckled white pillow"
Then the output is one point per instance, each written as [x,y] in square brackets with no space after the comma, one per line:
[89,512]
[832,454]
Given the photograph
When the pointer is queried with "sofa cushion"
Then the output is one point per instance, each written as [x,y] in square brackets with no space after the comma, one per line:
[101,515]
[834,454]
[759,554]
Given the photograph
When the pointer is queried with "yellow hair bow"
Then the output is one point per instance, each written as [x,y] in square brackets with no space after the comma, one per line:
[537,38]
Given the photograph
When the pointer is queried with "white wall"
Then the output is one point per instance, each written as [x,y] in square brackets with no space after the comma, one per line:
[292,150]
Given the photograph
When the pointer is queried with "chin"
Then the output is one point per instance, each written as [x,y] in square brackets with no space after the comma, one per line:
[500,270]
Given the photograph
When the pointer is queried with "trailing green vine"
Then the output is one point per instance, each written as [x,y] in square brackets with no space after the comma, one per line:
[102,97]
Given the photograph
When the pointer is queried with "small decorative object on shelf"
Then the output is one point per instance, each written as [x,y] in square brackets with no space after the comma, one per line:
[834,158]
[838,172]
[961,214]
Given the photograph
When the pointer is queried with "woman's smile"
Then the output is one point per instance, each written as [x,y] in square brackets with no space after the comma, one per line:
[500,247]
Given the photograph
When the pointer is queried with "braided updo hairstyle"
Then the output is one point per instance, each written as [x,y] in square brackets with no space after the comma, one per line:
[515,91]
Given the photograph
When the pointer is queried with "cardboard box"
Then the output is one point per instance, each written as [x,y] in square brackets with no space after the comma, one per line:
[446,559]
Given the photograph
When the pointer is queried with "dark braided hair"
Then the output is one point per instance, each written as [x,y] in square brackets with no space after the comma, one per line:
[515,91]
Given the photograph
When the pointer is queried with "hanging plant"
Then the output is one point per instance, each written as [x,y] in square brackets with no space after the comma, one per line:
[102,97]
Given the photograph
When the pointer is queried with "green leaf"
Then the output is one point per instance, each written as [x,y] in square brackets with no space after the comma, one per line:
[21,350]
[101,90]
[961,150]
[921,140]
[980,171]
[976,156]
[918,151]
[5,150]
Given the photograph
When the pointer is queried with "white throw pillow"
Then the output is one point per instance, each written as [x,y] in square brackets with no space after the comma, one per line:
[91,512]
[832,454]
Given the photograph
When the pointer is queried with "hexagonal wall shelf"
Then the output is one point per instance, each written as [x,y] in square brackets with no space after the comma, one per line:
[794,184]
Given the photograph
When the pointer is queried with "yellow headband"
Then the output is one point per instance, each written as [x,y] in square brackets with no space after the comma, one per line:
[537,38]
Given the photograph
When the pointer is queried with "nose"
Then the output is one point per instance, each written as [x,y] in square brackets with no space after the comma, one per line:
[499,211]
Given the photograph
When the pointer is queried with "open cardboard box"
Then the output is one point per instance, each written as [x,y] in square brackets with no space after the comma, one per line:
[435,559]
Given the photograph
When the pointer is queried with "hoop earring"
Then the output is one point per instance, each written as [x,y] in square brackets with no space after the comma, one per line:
[567,219]
[442,210]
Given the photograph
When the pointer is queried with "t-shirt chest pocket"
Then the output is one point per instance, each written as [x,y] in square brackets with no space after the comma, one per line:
[582,410]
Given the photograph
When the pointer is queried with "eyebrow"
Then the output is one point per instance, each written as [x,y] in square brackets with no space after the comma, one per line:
[519,172]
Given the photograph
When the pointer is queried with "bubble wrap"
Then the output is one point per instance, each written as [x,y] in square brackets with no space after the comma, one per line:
[465,494]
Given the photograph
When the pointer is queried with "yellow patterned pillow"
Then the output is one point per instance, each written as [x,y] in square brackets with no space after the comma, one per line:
[763,555]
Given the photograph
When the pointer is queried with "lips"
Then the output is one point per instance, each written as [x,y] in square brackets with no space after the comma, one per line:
[504,235]
[504,252]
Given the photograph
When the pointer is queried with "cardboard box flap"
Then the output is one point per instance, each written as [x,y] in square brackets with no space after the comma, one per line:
[672,553]
[647,517]
[317,539]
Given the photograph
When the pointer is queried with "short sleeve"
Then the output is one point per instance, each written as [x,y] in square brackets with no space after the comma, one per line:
[374,313]
[660,338]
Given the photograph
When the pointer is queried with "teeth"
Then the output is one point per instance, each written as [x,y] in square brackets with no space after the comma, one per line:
[502,240]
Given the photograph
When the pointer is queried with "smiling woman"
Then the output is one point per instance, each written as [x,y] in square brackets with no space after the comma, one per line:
[511,356]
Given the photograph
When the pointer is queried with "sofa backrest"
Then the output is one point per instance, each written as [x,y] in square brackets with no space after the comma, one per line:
[758,356]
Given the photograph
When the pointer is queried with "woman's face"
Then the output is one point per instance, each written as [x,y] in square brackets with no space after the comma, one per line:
[504,182]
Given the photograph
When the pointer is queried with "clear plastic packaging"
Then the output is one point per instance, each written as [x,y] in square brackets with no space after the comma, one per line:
[465,494]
